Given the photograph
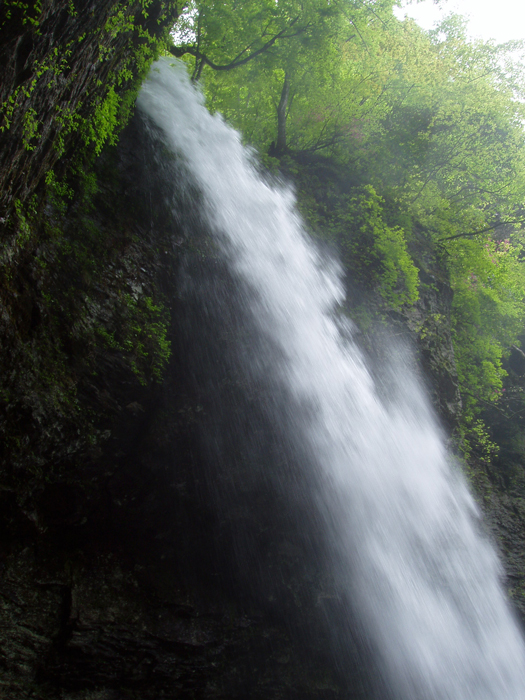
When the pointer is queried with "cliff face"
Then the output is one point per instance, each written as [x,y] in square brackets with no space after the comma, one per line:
[112,584]
[59,62]
[69,75]
[119,566]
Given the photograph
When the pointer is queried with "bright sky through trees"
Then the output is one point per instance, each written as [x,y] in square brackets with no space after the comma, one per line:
[502,20]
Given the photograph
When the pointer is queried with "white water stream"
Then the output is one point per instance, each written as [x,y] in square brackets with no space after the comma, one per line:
[424,580]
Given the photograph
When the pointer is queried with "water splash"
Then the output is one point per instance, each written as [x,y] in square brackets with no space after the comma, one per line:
[426,583]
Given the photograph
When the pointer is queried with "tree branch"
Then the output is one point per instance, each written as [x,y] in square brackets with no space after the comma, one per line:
[180,51]
[282,113]
[483,230]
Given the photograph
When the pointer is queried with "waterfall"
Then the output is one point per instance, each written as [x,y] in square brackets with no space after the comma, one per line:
[423,580]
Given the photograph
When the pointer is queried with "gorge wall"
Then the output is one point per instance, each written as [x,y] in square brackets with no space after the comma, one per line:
[118,577]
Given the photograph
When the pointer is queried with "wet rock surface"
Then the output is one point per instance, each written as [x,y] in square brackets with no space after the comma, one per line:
[55,62]
[121,572]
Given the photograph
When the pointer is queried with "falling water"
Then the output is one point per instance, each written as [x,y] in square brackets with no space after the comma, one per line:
[424,580]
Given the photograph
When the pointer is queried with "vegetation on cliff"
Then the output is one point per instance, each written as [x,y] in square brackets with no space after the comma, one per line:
[406,150]
[425,132]
[70,75]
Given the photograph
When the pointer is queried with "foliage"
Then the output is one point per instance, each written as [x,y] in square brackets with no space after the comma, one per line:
[378,251]
[488,314]
[452,141]
[103,126]
[475,441]
[315,52]
[28,12]
[142,336]
[31,125]
[59,192]
[425,127]
[104,109]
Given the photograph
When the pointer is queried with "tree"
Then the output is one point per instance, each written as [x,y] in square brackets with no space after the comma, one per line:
[452,143]
[426,126]
[228,35]
[287,58]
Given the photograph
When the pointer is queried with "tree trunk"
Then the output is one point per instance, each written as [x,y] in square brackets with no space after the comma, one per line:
[282,109]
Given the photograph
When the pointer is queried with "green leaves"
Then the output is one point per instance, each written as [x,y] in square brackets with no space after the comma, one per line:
[454,127]
[103,126]
[488,279]
[264,40]
[425,127]
[378,252]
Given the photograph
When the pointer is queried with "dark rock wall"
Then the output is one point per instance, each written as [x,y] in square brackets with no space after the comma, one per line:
[123,576]
[422,330]
[57,60]
[138,560]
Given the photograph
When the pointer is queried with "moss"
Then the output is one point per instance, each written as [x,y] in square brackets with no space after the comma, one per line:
[100,120]
[28,13]
[61,101]
[141,336]
[87,309]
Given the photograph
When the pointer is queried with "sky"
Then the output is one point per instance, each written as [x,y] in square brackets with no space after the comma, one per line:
[501,20]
